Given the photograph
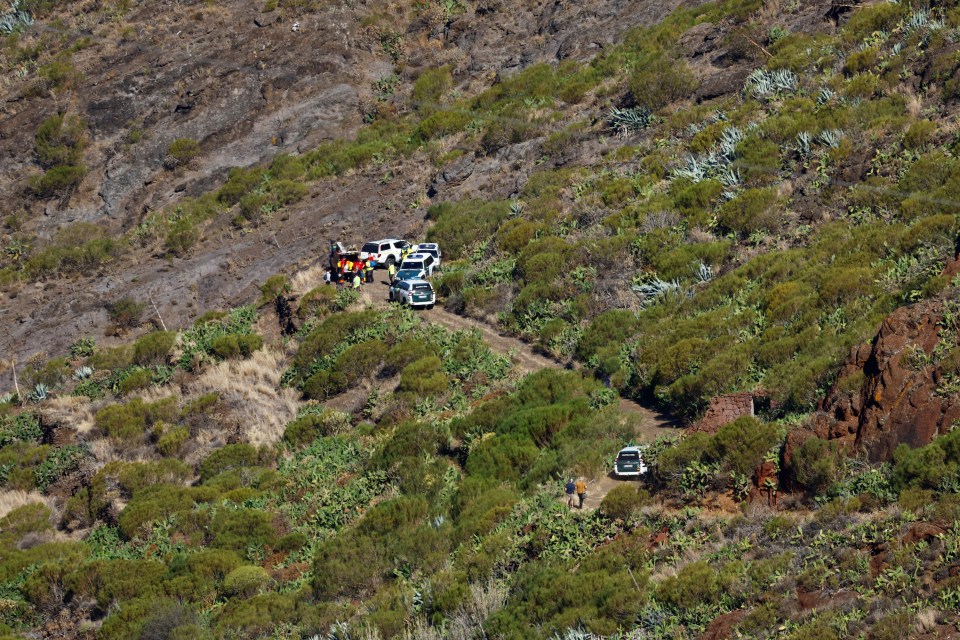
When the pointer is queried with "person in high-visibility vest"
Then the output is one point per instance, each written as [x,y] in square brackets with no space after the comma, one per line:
[356,280]
[392,271]
[368,271]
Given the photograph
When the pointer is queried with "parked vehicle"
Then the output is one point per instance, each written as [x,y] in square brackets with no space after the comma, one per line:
[432,248]
[409,274]
[629,462]
[384,252]
[413,293]
[423,261]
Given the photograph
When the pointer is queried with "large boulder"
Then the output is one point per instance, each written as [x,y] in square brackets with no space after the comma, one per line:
[891,391]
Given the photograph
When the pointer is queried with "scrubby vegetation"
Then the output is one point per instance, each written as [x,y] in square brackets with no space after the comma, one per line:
[744,242]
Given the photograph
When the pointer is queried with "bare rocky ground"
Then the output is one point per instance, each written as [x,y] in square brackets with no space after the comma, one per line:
[247,87]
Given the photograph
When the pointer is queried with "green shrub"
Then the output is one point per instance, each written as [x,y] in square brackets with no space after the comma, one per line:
[246,581]
[129,423]
[930,467]
[623,501]
[52,373]
[753,210]
[274,286]
[430,88]
[159,501]
[443,123]
[742,445]
[172,441]
[136,380]
[696,584]
[125,313]
[317,302]
[321,340]
[59,142]
[663,81]
[213,564]
[235,345]
[112,357]
[182,150]
[311,426]
[919,135]
[181,237]
[816,464]
[423,378]
[57,180]
[458,225]
[607,331]
[242,529]
[506,457]
[348,565]
[239,183]
[153,348]
[231,456]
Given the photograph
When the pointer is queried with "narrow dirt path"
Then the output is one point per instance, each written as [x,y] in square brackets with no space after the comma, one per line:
[648,424]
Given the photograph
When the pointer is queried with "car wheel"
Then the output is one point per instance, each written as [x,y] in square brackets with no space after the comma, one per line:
[429,306]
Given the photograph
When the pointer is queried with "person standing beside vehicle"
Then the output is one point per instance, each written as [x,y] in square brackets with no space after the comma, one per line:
[392,271]
[368,271]
[581,488]
[356,281]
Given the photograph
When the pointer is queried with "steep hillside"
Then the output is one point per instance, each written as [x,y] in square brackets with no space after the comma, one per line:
[637,202]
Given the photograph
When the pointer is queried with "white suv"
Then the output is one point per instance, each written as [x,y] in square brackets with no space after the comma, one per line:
[432,248]
[383,252]
[423,261]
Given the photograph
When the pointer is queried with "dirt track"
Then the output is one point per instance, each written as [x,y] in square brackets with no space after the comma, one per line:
[650,425]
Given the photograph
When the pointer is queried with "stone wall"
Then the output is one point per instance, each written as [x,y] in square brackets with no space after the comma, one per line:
[725,409]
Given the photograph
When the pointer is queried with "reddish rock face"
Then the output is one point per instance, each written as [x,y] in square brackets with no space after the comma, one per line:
[898,400]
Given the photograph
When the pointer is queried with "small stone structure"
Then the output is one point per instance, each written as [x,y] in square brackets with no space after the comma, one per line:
[725,409]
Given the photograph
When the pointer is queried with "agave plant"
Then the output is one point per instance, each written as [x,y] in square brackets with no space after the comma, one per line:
[826,95]
[7,398]
[762,83]
[730,177]
[574,634]
[626,121]
[516,208]
[15,20]
[704,272]
[652,291]
[830,138]
[803,144]
[82,373]
[40,392]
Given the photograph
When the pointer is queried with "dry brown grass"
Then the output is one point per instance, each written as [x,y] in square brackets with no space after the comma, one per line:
[14,499]
[307,279]
[74,412]
[250,393]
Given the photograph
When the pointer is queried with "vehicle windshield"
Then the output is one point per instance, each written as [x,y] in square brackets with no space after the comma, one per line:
[407,274]
[422,287]
[432,252]
[413,265]
[370,247]
[628,456]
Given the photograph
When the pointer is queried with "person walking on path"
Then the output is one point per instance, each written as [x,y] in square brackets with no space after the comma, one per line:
[581,488]
[569,489]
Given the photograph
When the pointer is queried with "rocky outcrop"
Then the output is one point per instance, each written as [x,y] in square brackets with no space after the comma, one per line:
[894,390]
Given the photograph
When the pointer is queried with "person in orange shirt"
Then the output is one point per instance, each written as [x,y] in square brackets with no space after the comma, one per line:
[581,489]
